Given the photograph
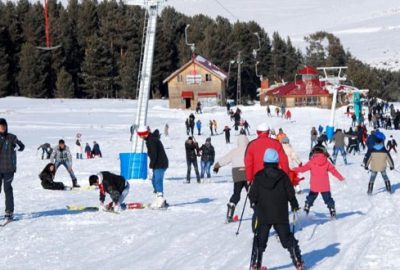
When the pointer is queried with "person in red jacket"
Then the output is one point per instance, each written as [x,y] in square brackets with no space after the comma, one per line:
[254,156]
[319,180]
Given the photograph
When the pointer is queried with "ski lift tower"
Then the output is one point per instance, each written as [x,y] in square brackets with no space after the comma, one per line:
[137,166]
[332,76]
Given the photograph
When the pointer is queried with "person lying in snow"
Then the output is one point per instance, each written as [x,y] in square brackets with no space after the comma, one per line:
[115,185]
[47,178]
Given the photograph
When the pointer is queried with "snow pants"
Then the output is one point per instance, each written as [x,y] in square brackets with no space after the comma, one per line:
[53,185]
[237,190]
[6,180]
[286,237]
[327,196]
[158,180]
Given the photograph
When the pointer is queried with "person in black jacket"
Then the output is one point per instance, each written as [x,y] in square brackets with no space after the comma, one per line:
[269,195]
[192,151]
[227,132]
[207,158]
[8,164]
[46,149]
[158,163]
[47,178]
[115,185]
[96,150]
[391,145]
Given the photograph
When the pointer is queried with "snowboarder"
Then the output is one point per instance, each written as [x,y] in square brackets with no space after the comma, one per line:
[269,196]
[88,151]
[46,149]
[78,149]
[227,132]
[255,152]
[236,158]
[376,160]
[207,158]
[8,165]
[115,185]
[198,126]
[391,144]
[62,156]
[47,178]
[192,151]
[158,163]
[319,180]
[339,146]
[96,150]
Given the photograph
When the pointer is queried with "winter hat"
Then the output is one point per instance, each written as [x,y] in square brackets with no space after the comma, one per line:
[379,136]
[262,127]
[142,132]
[285,140]
[271,156]
[156,133]
[208,140]
[61,141]
[190,138]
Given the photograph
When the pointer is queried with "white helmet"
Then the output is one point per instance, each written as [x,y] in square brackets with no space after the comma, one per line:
[263,127]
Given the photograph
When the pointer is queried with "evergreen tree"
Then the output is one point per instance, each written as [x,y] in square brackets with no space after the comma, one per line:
[4,62]
[64,85]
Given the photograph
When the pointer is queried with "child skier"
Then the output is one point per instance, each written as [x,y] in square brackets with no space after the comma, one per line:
[269,195]
[376,159]
[47,178]
[319,180]
[391,144]
[115,185]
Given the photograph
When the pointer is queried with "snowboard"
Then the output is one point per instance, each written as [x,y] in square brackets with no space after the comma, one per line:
[129,206]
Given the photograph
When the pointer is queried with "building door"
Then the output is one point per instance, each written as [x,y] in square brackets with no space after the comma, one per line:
[188,103]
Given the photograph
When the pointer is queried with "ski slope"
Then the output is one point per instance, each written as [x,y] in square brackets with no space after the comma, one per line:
[191,234]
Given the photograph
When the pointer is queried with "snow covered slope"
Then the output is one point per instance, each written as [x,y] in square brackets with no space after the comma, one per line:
[370,29]
[192,233]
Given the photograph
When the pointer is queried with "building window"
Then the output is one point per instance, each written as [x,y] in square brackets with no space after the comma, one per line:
[180,78]
[193,79]
[208,77]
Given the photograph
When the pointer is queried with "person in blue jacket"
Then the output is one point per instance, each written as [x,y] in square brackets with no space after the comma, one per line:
[198,126]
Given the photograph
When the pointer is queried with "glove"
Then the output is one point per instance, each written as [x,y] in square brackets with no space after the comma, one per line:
[216,169]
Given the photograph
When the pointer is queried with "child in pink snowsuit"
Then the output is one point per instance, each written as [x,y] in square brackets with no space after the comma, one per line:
[319,167]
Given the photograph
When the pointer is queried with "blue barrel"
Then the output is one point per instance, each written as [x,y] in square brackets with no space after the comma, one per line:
[329,132]
[133,165]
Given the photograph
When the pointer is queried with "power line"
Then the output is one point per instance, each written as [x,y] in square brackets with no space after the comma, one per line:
[227,10]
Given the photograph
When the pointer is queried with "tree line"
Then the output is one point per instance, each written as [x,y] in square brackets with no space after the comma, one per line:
[100,47]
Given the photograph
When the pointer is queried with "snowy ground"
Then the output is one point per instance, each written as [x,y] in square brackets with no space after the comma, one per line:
[192,233]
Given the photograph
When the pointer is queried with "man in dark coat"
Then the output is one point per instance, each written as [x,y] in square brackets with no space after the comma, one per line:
[192,151]
[269,195]
[46,149]
[96,150]
[207,158]
[159,164]
[115,185]
[8,165]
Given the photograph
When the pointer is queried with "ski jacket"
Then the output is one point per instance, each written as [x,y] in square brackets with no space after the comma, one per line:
[155,150]
[391,143]
[59,155]
[192,150]
[319,167]
[270,194]
[198,124]
[378,158]
[236,158]
[44,146]
[291,154]
[370,141]
[254,157]
[88,149]
[339,139]
[207,152]
[8,155]
[112,184]
[96,150]
[46,176]
[280,136]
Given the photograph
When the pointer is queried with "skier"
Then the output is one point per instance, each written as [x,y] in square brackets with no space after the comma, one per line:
[46,149]
[269,111]
[246,127]
[215,126]
[314,137]
[166,130]
[198,126]
[353,142]
[192,151]
[227,132]
[8,165]
[96,150]
[376,160]
[319,180]
[115,185]
[187,126]
[158,163]
[269,196]
[211,125]
[47,178]
[78,149]
[207,158]
[236,158]
[228,106]
[88,151]
[281,135]
[198,108]
[339,146]
[191,123]
[288,115]
[62,156]
[294,160]
[391,144]
[277,111]
[255,151]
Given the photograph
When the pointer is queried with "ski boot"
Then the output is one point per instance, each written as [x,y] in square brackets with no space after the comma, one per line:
[75,183]
[230,212]
[332,211]
[159,202]
[295,255]
[388,186]
[9,216]
[307,208]
[370,188]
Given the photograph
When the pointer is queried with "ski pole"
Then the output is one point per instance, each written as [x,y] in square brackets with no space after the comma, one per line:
[241,216]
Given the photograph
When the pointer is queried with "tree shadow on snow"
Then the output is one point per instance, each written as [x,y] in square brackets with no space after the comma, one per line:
[198,201]
[312,258]
[50,213]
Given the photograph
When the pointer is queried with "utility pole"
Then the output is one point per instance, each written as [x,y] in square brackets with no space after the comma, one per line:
[239,80]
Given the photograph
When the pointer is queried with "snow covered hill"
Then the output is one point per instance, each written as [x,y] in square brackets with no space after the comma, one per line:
[370,29]
[191,234]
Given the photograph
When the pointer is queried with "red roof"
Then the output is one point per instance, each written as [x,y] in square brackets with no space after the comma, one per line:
[187,94]
[300,88]
[307,70]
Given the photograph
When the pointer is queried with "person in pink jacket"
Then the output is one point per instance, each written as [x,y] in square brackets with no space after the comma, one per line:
[319,168]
